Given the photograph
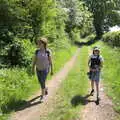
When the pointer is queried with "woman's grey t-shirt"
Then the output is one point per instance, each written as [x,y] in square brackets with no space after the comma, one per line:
[42,61]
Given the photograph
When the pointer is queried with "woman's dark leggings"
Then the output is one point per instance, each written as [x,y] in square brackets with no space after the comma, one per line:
[42,75]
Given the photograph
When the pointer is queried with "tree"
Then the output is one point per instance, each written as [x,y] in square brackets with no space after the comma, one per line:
[79,18]
[100,9]
[23,21]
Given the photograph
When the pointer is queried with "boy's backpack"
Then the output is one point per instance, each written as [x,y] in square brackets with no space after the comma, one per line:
[47,52]
[95,62]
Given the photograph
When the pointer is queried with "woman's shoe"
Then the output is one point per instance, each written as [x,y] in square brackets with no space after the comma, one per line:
[46,91]
[41,97]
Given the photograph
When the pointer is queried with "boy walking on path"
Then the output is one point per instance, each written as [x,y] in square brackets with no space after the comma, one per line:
[95,64]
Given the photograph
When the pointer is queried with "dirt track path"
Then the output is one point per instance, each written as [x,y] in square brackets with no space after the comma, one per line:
[103,111]
[35,110]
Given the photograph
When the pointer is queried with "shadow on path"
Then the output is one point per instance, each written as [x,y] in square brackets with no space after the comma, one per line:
[30,103]
[88,43]
[83,100]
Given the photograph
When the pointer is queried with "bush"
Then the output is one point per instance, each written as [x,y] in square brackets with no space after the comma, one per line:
[112,38]
[91,37]
[19,52]
[15,85]
[111,73]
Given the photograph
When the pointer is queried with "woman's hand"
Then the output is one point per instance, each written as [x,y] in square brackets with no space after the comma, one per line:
[33,72]
[51,73]
[33,65]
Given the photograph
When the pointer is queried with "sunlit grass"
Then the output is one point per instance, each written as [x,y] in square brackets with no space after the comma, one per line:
[67,104]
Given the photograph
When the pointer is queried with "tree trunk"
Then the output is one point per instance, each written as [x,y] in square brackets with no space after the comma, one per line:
[98,23]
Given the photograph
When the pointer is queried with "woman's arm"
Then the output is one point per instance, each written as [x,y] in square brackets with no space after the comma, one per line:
[33,64]
[51,64]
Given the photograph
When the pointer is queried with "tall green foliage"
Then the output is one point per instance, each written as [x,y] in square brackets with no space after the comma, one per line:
[27,20]
[42,15]
[100,10]
[112,38]
[79,19]
[21,20]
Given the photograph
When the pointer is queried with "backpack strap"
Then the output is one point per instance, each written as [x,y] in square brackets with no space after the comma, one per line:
[36,52]
[98,57]
[47,52]
[95,61]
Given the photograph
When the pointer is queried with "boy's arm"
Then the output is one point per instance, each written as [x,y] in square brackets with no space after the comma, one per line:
[101,64]
[89,60]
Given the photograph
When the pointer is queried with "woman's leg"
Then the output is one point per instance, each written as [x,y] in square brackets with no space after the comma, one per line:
[40,76]
[43,91]
[43,83]
[44,77]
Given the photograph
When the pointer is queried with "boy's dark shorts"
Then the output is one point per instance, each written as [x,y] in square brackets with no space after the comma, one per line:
[94,75]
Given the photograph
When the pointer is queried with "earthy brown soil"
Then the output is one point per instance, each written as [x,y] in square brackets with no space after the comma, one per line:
[103,111]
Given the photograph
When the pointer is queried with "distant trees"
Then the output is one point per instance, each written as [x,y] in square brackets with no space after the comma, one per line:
[102,10]
[79,18]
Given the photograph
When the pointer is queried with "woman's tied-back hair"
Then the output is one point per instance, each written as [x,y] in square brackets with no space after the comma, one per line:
[44,41]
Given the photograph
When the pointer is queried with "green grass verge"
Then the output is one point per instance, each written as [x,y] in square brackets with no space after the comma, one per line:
[68,100]
[85,40]
[60,57]
[16,85]
[111,72]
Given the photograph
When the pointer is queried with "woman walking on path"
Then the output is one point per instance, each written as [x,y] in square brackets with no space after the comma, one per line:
[95,64]
[42,62]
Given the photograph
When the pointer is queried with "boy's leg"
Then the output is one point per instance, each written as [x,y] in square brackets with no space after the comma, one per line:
[92,87]
[97,88]
[92,84]
[97,83]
